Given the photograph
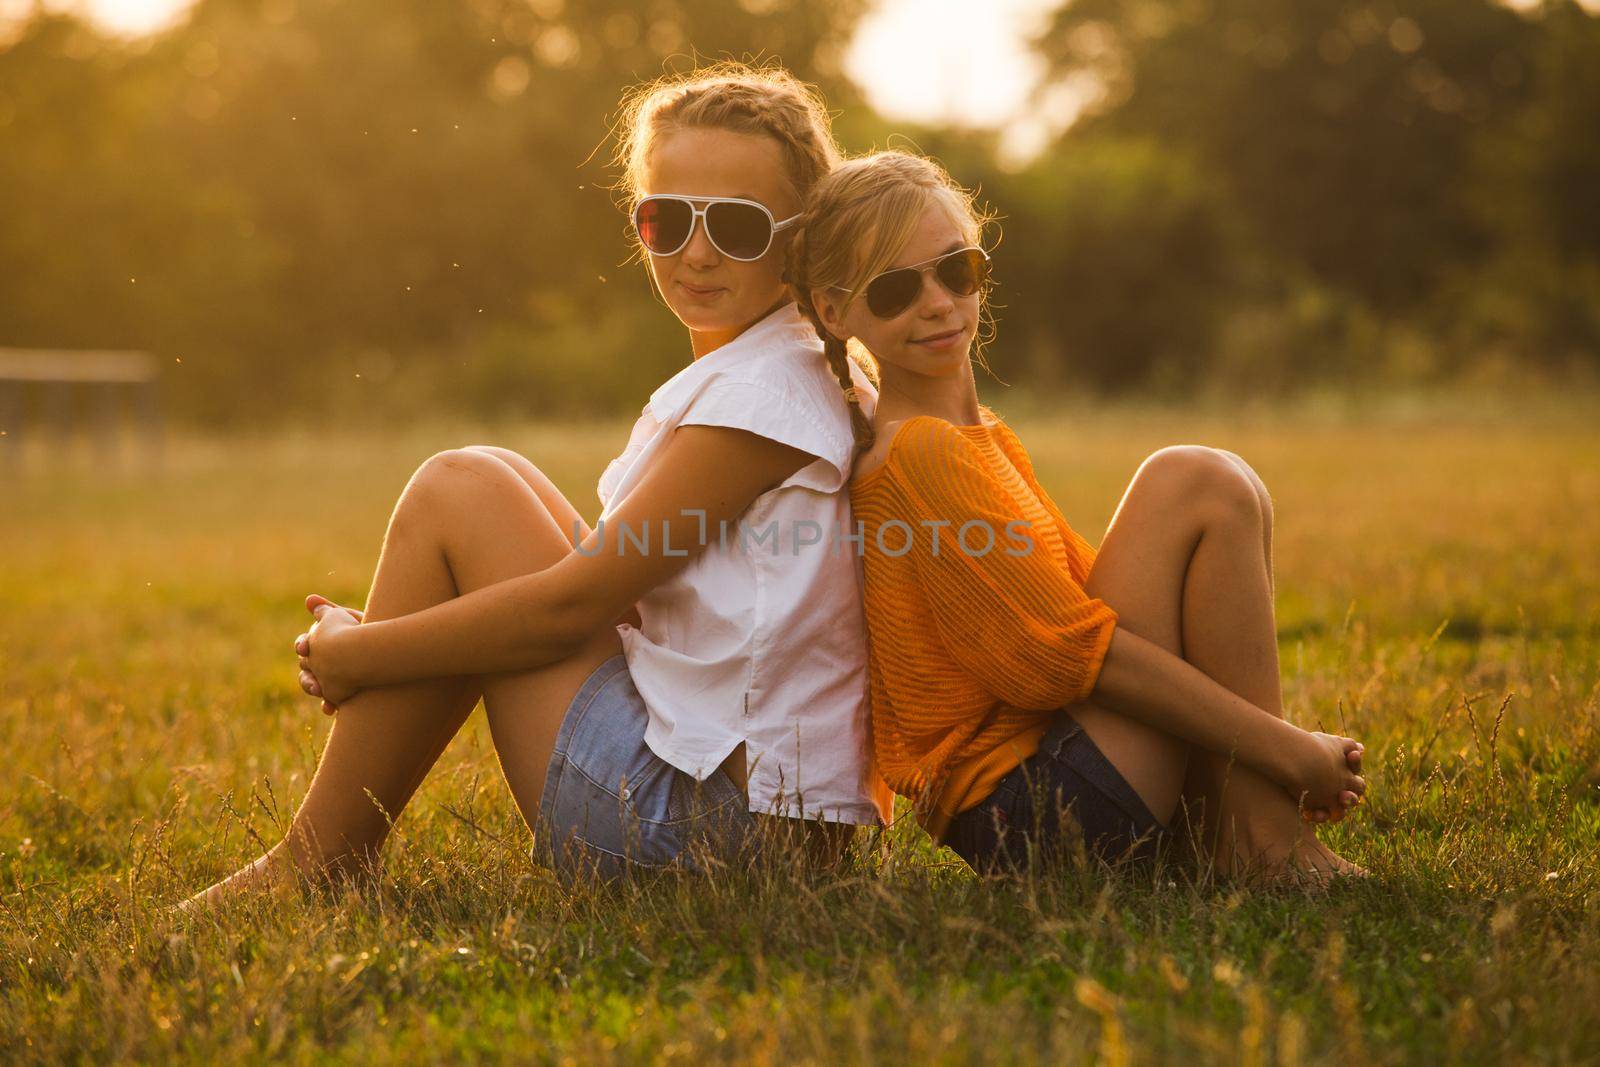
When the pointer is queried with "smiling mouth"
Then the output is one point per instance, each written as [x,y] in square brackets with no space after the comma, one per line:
[934,338]
[699,290]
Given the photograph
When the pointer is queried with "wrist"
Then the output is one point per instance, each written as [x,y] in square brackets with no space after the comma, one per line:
[1286,754]
[344,652]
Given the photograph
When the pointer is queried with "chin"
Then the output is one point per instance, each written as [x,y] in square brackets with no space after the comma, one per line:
[697,319]
[942,365]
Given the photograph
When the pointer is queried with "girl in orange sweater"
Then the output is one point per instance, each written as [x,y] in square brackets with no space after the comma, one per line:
[1017,673]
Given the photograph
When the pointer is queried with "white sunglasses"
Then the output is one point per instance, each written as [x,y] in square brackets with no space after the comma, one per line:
[738,228]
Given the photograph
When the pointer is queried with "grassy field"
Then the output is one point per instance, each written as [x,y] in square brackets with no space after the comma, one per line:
[1439,598]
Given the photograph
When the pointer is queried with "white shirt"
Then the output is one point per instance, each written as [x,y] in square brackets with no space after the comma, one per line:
[762,638]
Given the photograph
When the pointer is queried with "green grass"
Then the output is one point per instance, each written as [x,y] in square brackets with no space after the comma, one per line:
[1439,598]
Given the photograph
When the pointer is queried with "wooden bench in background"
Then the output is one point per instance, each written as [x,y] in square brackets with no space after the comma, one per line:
[105,391]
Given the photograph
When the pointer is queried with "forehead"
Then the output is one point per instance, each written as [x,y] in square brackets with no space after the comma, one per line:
[936,233]
[702,162]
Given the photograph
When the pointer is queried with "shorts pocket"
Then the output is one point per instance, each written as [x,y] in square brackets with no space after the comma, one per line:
[710,816]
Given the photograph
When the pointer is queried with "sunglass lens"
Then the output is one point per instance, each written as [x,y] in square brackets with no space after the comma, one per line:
[739,230]
[663,225]
[891,293]
[962,272]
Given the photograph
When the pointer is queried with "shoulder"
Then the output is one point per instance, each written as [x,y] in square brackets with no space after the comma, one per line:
[874,458]
[780,356]
[794,374]
[1012,445]
[922,450]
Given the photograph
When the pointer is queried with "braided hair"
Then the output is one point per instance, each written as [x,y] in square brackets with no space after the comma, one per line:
[855,223]
[838,352]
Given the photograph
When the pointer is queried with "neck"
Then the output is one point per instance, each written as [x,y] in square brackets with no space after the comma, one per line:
[903,394]
[705,342]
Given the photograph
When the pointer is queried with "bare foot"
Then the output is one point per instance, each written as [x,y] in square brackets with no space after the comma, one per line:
[271,869]
[1303,862]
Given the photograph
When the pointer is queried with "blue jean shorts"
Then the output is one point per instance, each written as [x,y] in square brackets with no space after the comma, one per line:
[613,807]
[1065,794]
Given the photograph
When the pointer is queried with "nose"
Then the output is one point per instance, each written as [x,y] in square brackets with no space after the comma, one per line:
[700,252]
[934,301]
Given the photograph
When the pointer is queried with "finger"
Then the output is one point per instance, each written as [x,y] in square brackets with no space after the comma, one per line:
[1349,799]
[305,682]
[361,616]
[302,644]
[1353,758]
[313,599]
[328,709]
[305,664]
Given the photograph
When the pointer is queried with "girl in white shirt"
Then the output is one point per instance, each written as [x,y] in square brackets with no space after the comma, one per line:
[700,654]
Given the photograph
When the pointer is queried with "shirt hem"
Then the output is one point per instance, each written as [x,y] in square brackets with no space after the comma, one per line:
[863,813]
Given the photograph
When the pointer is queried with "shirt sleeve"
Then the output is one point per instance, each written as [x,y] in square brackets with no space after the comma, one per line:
[1014,617]
[1081,552]
[772,411]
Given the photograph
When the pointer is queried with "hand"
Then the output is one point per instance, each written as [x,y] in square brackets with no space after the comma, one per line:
[1325,776]
[317,648]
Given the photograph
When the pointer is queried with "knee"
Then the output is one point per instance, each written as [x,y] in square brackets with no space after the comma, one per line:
[456,481]
[1263,497]
[1205,479]
[456,472]
[515,460]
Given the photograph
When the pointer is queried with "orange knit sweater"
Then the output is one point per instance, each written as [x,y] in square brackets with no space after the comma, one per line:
[970,652]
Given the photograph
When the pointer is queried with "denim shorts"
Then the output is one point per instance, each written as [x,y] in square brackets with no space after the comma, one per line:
[613,807]
[1065,794]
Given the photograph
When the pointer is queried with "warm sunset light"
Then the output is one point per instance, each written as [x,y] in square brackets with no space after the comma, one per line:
[925,60]
[119,16]
[800,532]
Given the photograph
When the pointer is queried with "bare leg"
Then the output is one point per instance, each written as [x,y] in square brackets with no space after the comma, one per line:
[1185,563]
[467,518]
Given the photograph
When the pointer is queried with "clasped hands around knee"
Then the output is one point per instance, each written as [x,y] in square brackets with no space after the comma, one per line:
[320,671]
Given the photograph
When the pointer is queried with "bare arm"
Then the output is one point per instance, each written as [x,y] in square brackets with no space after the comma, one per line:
[1144,681]
[542,617]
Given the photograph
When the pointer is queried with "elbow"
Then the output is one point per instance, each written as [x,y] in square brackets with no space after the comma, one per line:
[581,616]
[546,630]
[1070,672]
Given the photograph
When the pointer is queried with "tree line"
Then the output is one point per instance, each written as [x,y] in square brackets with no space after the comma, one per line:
[404,204]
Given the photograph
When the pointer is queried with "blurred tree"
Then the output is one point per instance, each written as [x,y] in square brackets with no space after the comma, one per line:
[1406,186]
[1536,187]
[1341,129]
[1117,268]
[306,192]
[395,204]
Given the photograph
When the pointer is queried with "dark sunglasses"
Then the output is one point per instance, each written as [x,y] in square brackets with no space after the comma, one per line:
[962,272]
[739,229]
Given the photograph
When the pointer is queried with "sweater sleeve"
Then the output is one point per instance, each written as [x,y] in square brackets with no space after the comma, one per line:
[1080,552]
[1014,616]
